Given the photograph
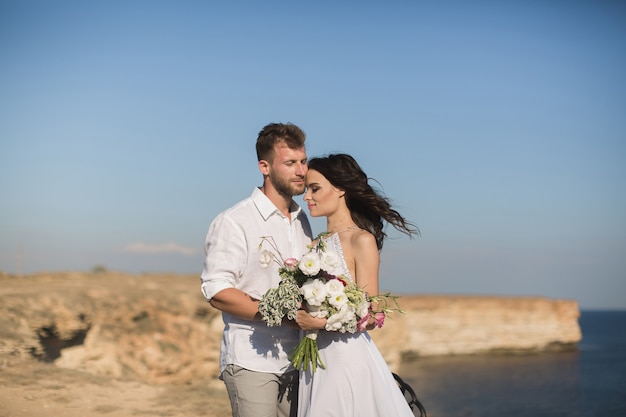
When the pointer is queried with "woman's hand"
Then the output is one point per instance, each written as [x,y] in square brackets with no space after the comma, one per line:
[308,322]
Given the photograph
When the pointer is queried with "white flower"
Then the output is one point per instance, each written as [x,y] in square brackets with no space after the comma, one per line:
[330,262]
[337,299]
[314,292]
[339,319]
[310,264]
[266,258]
[350,314]
[334,286]
[363,308]
[334,322]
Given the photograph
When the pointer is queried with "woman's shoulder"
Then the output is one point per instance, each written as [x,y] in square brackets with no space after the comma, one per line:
[363,240]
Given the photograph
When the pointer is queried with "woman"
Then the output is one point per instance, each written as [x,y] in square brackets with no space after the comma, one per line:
[356,380]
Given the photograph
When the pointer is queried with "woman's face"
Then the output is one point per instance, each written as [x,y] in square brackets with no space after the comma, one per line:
[321,196]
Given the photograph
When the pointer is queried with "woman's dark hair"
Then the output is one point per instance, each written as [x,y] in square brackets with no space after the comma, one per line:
[368,207]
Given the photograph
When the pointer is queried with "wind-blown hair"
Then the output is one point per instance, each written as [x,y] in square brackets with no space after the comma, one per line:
[274,133]
[368,207]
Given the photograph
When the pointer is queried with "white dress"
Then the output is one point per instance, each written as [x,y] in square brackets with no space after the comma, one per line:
[357,382]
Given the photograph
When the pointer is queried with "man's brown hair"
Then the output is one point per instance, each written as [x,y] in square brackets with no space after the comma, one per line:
[274,133]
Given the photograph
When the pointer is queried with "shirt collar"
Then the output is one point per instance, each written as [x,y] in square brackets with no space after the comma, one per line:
[267,208]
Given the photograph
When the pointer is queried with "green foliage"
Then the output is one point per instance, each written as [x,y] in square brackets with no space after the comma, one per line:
[99,269]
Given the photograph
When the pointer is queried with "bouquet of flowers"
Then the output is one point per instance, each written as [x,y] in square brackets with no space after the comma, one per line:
[308,283]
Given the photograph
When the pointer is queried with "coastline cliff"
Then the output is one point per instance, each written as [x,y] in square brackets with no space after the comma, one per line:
[158,329]
[462,325]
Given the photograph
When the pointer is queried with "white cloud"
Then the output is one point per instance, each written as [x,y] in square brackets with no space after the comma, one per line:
[139,247]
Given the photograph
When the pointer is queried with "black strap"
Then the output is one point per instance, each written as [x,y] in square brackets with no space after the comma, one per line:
[414,403]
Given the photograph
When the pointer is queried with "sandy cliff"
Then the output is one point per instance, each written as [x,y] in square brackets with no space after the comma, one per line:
[456,325]
[157,331]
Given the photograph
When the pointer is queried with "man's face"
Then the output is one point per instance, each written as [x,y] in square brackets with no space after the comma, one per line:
[288,170]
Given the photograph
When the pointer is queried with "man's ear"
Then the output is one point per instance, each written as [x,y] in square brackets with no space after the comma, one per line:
[264,167]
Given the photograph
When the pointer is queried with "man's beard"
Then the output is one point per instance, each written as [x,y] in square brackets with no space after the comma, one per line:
[285,187]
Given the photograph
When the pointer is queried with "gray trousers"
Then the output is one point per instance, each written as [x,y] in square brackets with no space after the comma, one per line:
[260,394]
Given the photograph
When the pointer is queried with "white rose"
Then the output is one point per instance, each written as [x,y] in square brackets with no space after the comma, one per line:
[330,262]
[310,264]
[349,314]
[314,292]
[334,323]
[337,320]
[337,299]
[334,286]
[363,308]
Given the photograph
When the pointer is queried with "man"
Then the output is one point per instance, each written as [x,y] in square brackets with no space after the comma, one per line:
[254,362]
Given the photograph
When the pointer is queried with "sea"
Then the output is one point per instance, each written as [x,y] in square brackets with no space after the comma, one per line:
[584,382]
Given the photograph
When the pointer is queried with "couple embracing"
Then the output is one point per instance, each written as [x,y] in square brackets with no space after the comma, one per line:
[254,357]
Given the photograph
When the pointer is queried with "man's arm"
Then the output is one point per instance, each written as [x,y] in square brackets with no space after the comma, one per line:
[237,303]
[225,252]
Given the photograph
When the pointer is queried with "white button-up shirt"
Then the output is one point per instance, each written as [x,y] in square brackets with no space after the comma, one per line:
[232,261]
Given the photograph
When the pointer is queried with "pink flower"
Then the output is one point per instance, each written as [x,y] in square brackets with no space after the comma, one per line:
[379,319]
[291,264]
[362,324]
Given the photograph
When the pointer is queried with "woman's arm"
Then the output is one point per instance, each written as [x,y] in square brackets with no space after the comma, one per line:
[366,264]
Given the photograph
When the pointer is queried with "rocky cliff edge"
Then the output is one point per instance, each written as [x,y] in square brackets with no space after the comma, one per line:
[158,328]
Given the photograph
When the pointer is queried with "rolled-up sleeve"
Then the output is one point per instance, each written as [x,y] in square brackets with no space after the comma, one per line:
[225,254]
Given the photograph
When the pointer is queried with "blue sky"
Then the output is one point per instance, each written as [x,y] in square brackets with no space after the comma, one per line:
[497,127]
